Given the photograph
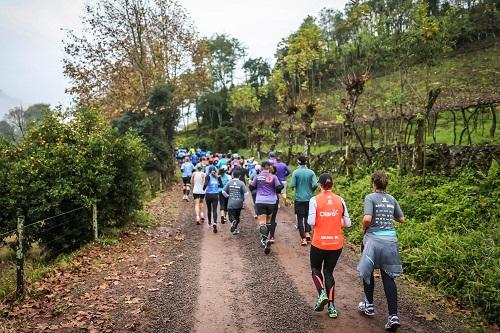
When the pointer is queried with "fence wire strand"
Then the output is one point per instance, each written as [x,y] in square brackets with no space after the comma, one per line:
[53,217]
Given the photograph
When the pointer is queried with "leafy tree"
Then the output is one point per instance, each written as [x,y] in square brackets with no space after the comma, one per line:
[257,71]
[225,53]
[126,48]
[243,100]
[6,131]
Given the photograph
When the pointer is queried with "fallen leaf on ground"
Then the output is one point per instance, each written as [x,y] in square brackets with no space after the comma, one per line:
[153,289]
[428,316]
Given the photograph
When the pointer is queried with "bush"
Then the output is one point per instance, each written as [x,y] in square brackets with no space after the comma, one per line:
[63,165]
[227,138]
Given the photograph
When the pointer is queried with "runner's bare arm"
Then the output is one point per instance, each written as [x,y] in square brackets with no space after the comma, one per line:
[367,219]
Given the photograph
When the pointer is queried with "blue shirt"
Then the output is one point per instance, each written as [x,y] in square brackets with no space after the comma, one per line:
[187,169]
[225,179]
[213,185]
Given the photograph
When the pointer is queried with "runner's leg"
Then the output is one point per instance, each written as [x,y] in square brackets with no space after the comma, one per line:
[330,263]
[272,228]
[316,260]
[391,292]
[197,209]
[369,289]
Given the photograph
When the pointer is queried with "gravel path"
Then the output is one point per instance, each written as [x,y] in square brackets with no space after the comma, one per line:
[225,283]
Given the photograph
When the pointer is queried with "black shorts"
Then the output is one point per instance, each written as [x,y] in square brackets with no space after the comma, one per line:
[198,196]
[186,180]
[302,208]
[265,209]
[223,201]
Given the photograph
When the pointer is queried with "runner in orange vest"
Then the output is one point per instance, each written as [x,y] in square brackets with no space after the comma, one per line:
[328,215]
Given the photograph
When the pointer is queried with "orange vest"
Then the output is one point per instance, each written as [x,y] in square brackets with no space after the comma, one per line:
[328,226]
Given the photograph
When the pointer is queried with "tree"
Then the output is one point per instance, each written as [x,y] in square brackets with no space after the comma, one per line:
[127,47]
[257,71]
[225,53]
[243,100]
[19,118]
[7,131]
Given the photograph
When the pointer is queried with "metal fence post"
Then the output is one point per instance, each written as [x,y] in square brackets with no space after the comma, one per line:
[20,257]
[94,221]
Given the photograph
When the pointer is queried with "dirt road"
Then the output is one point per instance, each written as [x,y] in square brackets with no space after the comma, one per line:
[181,277]
[226,283]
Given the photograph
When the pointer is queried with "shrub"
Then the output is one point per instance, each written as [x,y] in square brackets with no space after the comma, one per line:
[62,165]
[227,138]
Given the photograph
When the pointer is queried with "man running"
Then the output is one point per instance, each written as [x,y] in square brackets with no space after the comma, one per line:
[187,169]
[328,215]
[212,185]
[198,181]
[305,182]
[282,171]
[272,225]
[235,190]
[266,186]
[380,248]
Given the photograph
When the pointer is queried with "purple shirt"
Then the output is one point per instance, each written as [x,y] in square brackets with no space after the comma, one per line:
[266,184]
[281,170]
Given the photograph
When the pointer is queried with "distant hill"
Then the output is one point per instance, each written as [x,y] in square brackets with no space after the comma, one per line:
[7,102]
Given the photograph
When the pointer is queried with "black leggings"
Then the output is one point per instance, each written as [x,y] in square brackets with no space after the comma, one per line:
[302,212]
[390,289]
[272,226]
[326,259]
[212,200]
[234,216]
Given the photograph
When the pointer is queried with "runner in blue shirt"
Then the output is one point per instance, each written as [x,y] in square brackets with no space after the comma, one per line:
[187,169]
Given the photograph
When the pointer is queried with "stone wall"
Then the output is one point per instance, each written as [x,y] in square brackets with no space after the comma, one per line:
[440,158]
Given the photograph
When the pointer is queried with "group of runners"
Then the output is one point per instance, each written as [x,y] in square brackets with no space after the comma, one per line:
[221,181]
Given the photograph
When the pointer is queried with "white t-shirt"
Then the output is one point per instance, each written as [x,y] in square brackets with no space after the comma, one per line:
[198,182]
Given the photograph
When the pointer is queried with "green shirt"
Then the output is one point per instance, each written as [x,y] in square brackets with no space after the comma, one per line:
[305,182]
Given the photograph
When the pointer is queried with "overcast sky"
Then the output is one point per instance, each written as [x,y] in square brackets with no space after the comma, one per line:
[31,48]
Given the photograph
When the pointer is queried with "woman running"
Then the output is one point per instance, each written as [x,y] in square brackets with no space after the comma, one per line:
[380,248]
[224,179]
[212,185]
[272,226]
[198,181]
[328,215]
[266,185]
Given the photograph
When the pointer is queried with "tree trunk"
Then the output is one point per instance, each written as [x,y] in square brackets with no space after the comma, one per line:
[493,120]
[454,127]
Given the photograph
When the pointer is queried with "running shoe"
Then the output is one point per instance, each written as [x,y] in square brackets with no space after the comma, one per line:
[236,232]
[222,220]
[255,217]
[262,242]
[233,226]
[267,248]
[308,236]
[366,308]
[332,312]
[271,240]
[215,228]
[303,242]
[202,220]
[393,323]
[321,302]
[198,223]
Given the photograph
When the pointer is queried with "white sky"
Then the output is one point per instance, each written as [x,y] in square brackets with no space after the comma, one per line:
[31,48]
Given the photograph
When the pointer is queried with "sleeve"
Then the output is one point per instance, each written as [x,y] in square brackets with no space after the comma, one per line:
[311,219]
[293,182]
[398,213]
[225,189]
[369,207]
[244,189]
[346,219]
[182,167]
[314,181]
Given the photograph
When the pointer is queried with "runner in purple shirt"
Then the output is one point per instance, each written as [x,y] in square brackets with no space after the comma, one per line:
[266,185]
[282,171]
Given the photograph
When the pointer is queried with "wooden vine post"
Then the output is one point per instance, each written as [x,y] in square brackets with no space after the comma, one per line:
[94,221]
[20,257]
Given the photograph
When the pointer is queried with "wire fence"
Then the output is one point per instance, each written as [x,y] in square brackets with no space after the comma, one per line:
[58,239]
